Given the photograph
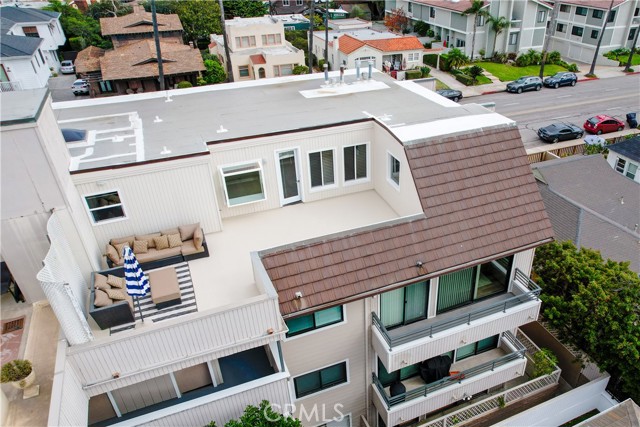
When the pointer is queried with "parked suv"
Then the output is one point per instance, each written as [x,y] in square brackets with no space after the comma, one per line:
[561,79]
[525,83]
[67,67]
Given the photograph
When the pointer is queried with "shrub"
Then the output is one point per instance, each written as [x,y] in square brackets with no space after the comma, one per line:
[523,60]
[77,43]
[425,71]
[511,56]
[465,79]
[430,59]
[413,74]
[474,72]
[499,57]
[534,57]
[421,28]
[545,362]
[200,81]
[554,57]
[321,64]
[406,31]
[500,401]
[573,68]
[16,370]
[184,84]
[430,33]
[482,53]
[428,45]
[300,69]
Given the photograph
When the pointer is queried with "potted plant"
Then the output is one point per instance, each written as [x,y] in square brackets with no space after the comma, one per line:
[19,373]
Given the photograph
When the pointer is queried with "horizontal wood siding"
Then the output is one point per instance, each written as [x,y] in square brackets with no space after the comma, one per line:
[420,406]
[222,410]
[263,150]
[155,197]
[326,347]
[425,348]
[73,402]
[154,350]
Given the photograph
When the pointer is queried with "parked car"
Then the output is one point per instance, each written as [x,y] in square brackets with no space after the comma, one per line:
[452,94]
[561,79]
[560,132]
[603,124]
[525,83]
[73,135]
[595,140]
[80,87]
[67,67]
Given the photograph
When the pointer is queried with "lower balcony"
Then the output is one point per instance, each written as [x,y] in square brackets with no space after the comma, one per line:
[472,375]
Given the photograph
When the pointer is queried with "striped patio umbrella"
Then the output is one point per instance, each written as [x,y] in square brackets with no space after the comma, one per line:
[137,283]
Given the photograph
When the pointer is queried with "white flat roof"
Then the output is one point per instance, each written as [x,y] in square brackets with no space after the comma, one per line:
[359,33]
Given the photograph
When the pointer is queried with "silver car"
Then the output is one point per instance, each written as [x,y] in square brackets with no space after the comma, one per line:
[67,67]
[80,87]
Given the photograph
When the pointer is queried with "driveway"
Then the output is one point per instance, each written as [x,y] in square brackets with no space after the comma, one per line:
[60,88]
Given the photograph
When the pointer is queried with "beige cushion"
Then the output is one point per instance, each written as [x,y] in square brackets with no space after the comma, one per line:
[154,254]
[129,299]
[186,231]
[198,238]
[170,231]
[174,240]
[116,294]
[100,281]
[120,247]
[189,248]
[116,282]
[161,242]
[102,299]
[140,246]
[112,254]
[128,239]
[149,239]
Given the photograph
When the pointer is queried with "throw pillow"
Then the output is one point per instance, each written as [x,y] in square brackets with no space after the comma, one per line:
[102,299]
[174,240]
[128,239]
[116,282]
[186,231]
[112,254]
[140,247]
[100,281]
[161,242]
[116,294]
[120,247]
[197,239]
[149,239]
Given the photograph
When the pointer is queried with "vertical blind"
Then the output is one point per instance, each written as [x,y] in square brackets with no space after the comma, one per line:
[455,289]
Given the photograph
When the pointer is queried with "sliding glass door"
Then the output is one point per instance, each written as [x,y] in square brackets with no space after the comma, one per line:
[404,305]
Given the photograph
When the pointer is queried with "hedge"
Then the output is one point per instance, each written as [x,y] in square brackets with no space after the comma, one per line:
[413,74]
[465,79]
[430,59]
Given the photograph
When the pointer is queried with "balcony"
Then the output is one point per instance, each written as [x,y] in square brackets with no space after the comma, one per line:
[476,374]
[425,339]
[10,86]
[516,24]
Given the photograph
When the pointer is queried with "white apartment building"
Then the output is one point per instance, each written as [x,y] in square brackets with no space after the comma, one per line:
[369,246]
[258,48]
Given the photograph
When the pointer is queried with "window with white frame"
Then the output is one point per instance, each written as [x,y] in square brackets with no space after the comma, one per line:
[513,39]
[576,31]
[413,57]
[271,39]
[460,43]
[299,2]
[283,70]
[246,41]
[243,183]
[355,162]
[321,168]
[565,8]
[410,7]
[627,169]
[321,379]
[285,2]
[561,28]
[432,12]
[594,34]
[480,21]
[105,207]
[394,170]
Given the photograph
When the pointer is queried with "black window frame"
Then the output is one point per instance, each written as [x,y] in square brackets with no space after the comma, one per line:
[315,326]
[561,28]
[611,16]
[115,207]
[594,34]
[565,8]
[322,386]
[355,164]
[580,10]
[575,29]
[597,14]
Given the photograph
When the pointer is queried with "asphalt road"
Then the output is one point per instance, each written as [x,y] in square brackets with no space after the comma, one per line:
[60,88]
[614,96]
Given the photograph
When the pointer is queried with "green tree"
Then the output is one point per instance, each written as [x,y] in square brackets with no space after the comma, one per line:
[214,70]
[595,305]
[475,71]
[164,7]
[457,58]
[263,416]
[245,8]
[497,25]
[199,18]
[82,28]
[477,10]
[107,9]
[357,12]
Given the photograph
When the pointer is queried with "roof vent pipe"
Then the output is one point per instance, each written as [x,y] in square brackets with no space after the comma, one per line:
[326,73]
[342,74]
[370,71]
[358,69]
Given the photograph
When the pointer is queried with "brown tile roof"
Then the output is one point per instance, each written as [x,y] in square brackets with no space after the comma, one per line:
[138,22]
[88,60]
[138,60]
[457,6]
[257,59]
[348,44]
[480,200]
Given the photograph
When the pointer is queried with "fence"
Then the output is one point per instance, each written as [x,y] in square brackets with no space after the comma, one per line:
[572,150]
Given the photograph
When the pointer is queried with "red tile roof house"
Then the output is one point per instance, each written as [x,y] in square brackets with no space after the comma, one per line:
[388,51]
[132,65]
[369,246]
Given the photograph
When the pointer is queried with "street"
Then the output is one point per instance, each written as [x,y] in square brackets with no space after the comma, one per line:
[60,88]
[614,96]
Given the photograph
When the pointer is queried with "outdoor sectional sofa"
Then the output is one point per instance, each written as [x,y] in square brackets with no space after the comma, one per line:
[109,312]
[183,243]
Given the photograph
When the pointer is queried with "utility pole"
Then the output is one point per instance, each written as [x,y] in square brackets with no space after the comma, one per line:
[157,39]
[550,32]
[311,19]
[326,31]
[226,43]
[627,67]
[604,27]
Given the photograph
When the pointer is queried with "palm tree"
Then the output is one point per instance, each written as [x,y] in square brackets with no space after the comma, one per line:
[476,9]
[457,58]
[498,25]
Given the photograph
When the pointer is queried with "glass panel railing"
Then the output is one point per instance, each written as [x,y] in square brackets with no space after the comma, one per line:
[530,291]
[458,378]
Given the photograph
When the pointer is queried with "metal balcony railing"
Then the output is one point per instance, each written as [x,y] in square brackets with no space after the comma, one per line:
[10,86]
[532,291]
[427,389]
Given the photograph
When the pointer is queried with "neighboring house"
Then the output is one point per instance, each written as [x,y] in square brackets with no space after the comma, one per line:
[258,48]
[528,22]
[36,23]
[592,205]
[626,413]
[387,50]
[349,241]
[349,24]
[287,7]
[132,65]
[293,22]
[22,63]
[579,23]
[624,157]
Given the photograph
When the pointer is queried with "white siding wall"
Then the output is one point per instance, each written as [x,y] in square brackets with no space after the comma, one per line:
[156,197]
[143,394]
[21,70]
[69,404]
[324,347]
[523,261]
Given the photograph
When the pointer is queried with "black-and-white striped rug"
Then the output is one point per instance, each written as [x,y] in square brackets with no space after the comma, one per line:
[149,311]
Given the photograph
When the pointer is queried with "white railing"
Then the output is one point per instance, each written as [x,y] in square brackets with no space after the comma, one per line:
[493,403]
[10,86]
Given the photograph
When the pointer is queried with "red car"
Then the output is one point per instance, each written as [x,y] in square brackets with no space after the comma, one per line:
[603,124]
